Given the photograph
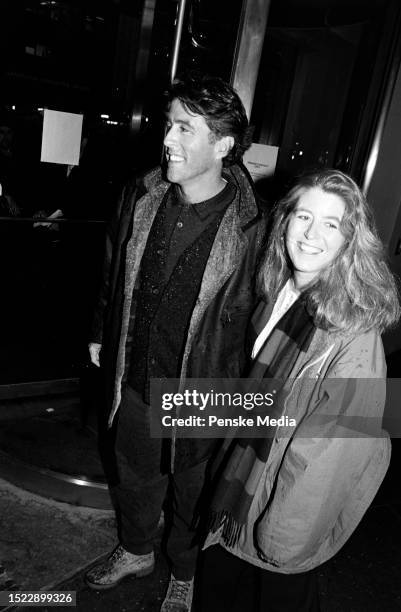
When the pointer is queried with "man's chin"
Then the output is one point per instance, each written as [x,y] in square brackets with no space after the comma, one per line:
[172,175]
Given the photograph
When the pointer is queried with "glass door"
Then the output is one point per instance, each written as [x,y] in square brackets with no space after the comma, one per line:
[321,78]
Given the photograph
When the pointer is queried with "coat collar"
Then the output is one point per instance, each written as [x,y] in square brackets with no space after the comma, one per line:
[247,209]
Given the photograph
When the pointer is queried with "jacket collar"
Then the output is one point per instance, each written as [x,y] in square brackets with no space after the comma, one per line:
[247,208]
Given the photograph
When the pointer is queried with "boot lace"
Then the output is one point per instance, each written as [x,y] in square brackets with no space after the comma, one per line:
[180,589]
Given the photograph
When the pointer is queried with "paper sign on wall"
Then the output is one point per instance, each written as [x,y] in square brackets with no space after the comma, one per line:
[61,138]
[261,160]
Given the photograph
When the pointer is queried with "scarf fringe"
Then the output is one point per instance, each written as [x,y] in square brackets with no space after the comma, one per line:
[231,528]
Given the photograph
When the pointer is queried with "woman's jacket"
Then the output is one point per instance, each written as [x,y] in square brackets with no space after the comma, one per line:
[320,478]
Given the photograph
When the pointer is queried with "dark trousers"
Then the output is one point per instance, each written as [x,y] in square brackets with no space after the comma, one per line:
[142,490]
[229,584]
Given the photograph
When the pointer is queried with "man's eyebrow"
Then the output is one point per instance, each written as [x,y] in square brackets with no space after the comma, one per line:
[180,122]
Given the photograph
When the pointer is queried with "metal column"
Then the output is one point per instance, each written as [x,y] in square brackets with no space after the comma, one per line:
[177,38]
[142,62]
[249,49]
[393,70]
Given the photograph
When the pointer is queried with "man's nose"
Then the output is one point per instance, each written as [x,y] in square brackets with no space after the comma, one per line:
[169,137]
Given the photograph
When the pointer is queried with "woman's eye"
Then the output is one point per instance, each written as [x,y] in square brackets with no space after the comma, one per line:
[331,225]
[302,217]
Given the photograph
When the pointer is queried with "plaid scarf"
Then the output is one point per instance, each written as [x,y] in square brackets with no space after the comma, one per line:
[241,462]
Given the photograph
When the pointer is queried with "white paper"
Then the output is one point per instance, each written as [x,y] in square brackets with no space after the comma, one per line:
[261,160]
[61,138]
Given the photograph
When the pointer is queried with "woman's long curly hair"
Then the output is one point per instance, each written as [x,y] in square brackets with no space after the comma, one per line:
[356,292]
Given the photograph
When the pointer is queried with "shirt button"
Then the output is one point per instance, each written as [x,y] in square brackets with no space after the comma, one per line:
[159,252]
[155,290]
[180,224]
[153,361]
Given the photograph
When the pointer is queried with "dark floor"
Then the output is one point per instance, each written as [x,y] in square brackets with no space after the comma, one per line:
[49,545]
[364,576]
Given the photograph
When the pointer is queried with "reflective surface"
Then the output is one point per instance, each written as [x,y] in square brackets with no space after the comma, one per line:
[320,84]
[49,281]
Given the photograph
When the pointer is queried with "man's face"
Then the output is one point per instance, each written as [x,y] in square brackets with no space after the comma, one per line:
[194,158]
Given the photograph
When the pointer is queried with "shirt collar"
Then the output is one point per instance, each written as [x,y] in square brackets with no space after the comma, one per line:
[208,207]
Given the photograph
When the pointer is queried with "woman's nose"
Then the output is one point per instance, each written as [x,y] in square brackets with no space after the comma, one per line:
[311,231]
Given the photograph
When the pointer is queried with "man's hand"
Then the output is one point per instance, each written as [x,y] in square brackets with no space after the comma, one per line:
[94,353]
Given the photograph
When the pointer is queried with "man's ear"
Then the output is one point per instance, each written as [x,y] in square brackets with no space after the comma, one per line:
[224,146]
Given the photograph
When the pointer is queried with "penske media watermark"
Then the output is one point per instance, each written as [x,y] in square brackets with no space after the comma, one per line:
[210,408]
[212,420]
[305,407]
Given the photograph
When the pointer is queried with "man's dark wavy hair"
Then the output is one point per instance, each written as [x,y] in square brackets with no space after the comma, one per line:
[220,106]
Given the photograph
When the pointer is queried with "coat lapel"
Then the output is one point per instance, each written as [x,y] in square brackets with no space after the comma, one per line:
[228,249]
[144,214]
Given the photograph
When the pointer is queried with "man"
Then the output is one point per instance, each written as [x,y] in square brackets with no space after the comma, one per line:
[178,291]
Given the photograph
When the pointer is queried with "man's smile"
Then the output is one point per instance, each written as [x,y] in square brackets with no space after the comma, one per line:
[174,158]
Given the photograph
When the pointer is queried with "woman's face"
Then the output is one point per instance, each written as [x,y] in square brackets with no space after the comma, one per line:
[313,237]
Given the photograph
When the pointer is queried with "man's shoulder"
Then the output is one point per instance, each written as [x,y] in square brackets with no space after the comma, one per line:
[152,179]
[144,180]
[250,206]
[140,184]
[256,228]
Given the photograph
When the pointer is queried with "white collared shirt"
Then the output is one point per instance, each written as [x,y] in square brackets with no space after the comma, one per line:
[284,301]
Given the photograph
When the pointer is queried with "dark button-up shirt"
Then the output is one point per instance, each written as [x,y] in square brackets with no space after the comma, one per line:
[172,268]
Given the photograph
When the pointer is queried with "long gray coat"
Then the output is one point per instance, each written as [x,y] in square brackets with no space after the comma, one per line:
[215,341]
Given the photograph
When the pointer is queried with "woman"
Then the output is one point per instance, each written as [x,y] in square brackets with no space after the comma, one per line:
[285,504]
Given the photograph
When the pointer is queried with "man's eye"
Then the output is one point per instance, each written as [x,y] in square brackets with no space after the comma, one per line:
[331,225]
[184,129]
